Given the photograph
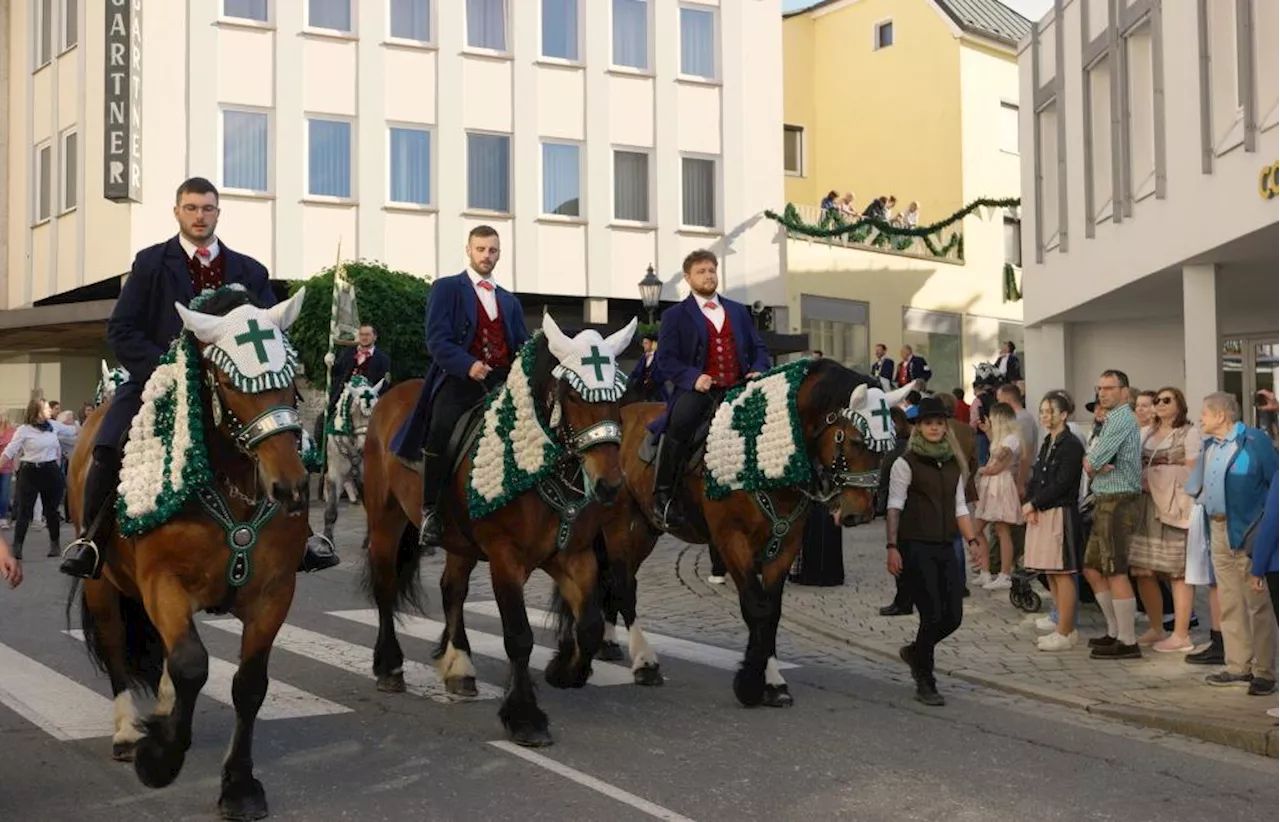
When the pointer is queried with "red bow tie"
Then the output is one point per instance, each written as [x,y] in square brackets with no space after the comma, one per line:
[711,306]
[486,285]
[202,252]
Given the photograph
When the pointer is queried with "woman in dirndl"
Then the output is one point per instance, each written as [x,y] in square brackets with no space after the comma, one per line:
[1055,533]
[1158,548]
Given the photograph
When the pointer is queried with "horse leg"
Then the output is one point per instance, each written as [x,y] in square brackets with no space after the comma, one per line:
[350,487]
[453,656]
[776,693]
[630,541]
[108,640]
[581,628]
[610,650]
[645,668]
[749,681]
[159,754]
[388,658]
[331,496]
[525,722]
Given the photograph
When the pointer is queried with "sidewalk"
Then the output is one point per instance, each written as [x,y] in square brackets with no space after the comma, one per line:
[995,647]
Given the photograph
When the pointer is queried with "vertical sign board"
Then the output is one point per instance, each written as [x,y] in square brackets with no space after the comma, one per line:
[122,127]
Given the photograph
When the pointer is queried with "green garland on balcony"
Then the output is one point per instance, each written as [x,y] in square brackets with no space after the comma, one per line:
[1011,291]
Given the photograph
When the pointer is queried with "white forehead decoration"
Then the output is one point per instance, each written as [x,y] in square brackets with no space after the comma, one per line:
[589,362]
[248,343]
[870,410]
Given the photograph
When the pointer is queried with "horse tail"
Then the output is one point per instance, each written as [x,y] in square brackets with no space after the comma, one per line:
[606,584]
[562,614]
[410,595]
[144,651]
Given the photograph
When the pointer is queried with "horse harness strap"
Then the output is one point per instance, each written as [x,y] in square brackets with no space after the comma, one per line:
[567,500]
[241,536]
[779,526]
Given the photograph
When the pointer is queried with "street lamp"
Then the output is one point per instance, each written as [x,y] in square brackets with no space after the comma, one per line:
[650,292]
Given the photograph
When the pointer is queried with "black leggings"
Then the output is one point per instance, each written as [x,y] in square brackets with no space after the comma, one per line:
[45,481]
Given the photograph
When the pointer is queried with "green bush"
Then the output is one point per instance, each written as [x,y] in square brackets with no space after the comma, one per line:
[393,301]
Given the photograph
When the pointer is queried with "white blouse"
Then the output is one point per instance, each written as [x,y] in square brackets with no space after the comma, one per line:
[31,444]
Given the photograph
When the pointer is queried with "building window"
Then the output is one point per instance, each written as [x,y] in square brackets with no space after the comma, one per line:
[698,42]
[698,190]
[487,24]
[561,179]
[560,29]
[70,170]
[1009,127]
[244,150]
[631,186]
[793,150]
[1013,240]
[410,155]
[1047,188]
[70,23]
[1011,332]
[1225,101]
[411,20]
[44,182]
[631,34]
[247,10]
[936,337]
[884,34]
[840,329]
[329,14]
[329,158]
[489,172]
[44,32]
[1141,122]
[1099,141]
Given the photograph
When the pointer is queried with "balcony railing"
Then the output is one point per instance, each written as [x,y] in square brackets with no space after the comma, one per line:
[834,228]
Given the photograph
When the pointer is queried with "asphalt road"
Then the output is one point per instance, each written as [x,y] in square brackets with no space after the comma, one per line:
[855,746]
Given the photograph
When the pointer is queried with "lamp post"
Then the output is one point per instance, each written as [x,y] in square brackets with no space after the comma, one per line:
[650,292]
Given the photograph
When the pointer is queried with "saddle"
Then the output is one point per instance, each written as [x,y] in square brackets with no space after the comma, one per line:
[464,437]
[697,444]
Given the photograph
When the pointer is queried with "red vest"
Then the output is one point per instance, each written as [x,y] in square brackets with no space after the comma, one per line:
[490,343]
[722,353]
[206,276]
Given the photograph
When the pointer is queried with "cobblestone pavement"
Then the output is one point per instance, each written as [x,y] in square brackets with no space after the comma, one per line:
[993,655]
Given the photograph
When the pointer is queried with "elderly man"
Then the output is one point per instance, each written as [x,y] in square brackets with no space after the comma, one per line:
[1232,481]
[1114,466]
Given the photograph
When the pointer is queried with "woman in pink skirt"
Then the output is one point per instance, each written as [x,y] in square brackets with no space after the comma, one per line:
[998,500]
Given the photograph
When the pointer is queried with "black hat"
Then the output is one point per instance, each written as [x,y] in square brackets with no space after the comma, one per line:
[1091,406]
[650,335]
[931,408]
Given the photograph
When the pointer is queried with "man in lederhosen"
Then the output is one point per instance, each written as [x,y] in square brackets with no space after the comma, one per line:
[706,345]
[142,326]
[474,328]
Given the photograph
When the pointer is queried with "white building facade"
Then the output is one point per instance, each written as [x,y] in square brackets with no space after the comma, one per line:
[1149,205]
[597,136]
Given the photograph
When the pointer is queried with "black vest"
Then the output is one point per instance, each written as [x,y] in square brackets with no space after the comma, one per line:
[929,514]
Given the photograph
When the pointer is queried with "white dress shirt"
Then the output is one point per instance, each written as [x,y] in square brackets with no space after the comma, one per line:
[214,249]
[31,444]
[716,315]
[900,481]
[488,296]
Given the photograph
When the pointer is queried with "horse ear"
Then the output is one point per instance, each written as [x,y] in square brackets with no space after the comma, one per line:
[895,397]
[561,346]
[377,388]
[106,372]
[204,326]
[283,314]
[858,398]
[618,341]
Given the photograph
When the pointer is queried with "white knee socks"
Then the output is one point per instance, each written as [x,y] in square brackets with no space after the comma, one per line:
[1126,611]
[1108,611]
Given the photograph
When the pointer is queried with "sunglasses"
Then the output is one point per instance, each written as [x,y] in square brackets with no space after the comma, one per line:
[1165,401]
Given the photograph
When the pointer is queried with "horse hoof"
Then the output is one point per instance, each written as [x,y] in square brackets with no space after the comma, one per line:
[648,675]
[748,687]
[391,683]
[778,696]
[242,802]
[154,764]
[610,652]
[122,751]
[530,737]
[458,686]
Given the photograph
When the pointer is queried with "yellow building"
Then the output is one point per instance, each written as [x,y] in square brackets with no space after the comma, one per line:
[917,99]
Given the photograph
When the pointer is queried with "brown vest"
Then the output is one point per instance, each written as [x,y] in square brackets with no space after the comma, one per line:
[929,514]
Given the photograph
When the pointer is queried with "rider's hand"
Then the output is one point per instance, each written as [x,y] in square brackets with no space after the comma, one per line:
[704,383]
[478,371]
[894,562]
[753,375]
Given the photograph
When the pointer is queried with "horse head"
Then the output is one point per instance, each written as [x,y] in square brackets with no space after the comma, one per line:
[364,396]
[112,378]
[847,426]
[249,395]
[583,400]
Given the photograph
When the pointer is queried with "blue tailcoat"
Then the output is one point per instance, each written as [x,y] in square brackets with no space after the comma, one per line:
[144,321]
[683,345]
[450,329]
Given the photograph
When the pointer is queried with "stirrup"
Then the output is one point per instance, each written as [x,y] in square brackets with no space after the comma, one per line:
[85,542]
[427,541]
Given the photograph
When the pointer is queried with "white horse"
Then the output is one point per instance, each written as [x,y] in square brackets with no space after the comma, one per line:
[344,444]
[112,378]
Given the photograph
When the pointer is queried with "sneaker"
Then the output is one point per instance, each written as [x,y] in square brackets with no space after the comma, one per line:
[1056,642]
[1262,687]
[983,579]
[1103,641]
[1225,679]
[1117,650]
[1046,624]
[715,579]
[1174,645]
[1151,637]
[1001,582]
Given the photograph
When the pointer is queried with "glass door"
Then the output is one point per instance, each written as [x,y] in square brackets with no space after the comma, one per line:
[1264,387]
[1249,371]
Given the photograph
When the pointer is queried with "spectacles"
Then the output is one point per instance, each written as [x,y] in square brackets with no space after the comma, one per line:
[1164,401]
[192,209]
[1097,388]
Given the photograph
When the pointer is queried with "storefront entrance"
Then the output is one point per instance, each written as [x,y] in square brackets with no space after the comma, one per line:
[1249,366]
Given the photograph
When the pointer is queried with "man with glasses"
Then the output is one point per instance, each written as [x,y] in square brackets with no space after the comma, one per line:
[1114,466]
[142,326]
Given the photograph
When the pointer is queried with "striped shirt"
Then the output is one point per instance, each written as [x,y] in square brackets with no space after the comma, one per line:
[1120,444]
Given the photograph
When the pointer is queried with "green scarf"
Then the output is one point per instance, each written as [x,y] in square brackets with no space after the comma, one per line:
[937,451]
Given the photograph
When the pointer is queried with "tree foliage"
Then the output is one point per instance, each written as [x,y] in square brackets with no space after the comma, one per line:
[393,301]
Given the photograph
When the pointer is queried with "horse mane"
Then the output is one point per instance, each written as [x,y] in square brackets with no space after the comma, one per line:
[223,301]
[833,384]
[541,381]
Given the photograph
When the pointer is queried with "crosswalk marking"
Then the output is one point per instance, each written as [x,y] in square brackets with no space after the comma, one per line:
[420,679]
[60,706]
[490,645]
[283,700]
[688,650]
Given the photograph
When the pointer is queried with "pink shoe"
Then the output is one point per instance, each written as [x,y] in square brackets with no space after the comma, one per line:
[1174,645]
[1151,637]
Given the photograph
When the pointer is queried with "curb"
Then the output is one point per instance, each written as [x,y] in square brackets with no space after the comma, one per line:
[1264,741]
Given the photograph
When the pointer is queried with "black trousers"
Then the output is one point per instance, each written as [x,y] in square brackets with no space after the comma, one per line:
[822,551]
[43,480]
[688,412]
[455,397]
[935,579]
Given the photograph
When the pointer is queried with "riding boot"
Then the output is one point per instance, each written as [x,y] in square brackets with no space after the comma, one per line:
[84,557]
[671,455]
[432,532]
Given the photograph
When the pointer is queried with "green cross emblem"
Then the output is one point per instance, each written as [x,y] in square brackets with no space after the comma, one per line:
[595,361]
[883,411]
[256,336]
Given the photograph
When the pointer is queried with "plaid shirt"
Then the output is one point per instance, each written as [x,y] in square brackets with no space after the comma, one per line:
[1119,443]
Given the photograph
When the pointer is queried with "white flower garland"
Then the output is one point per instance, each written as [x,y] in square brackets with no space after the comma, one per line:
[775,446]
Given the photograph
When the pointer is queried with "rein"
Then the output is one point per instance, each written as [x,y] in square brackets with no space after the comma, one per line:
[566,491]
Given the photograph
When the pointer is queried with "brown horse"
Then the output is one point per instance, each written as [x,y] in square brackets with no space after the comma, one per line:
[844,426]
[525,533]
[137,618]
